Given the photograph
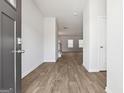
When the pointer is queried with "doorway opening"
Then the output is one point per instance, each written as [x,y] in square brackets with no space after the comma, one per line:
[71,45]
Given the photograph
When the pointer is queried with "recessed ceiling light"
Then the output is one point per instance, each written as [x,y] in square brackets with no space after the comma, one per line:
[75,14]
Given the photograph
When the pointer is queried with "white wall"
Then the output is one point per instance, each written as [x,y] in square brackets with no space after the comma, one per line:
[114,46]
[50,39]
[86,19]
[32,37]
[94,12]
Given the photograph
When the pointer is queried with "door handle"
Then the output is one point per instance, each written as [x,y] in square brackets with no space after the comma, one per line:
[18,51]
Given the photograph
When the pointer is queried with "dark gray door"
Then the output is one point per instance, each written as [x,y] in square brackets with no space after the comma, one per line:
[10,58]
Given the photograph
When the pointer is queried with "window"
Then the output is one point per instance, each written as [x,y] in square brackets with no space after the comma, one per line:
[80,43]
[70,43]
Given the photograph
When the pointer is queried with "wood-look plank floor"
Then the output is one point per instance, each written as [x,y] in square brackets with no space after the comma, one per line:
[67,75]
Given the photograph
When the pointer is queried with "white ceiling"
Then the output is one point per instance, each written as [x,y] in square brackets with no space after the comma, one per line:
[64,11]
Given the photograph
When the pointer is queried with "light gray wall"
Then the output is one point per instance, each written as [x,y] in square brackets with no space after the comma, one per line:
[32,37]
[86,28]
[115,46]
[94,33]
[64,41]
[50,39]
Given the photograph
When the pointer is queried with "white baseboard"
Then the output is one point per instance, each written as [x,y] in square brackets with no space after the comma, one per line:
[93,70]
[52,60]
[90,70]
[104,69]
[108,90]
[96,70]
[24,74]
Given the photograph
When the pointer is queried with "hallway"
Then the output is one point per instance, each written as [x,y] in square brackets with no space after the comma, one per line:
[67,75]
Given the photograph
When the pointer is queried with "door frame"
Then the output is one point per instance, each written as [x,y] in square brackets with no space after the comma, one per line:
[18,47]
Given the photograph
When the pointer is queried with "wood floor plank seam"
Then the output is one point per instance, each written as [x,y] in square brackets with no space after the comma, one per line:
[67,75]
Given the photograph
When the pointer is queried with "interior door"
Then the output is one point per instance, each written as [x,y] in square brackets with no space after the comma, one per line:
[102,43]
[10,58]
